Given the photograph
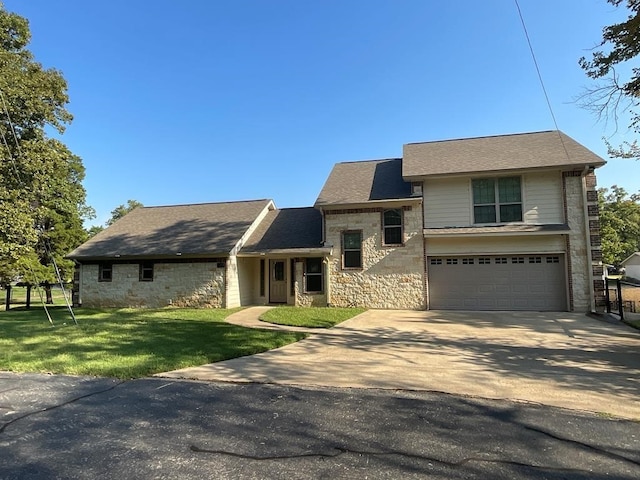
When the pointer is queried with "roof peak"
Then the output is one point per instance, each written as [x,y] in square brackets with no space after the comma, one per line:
[207,203]
[485,136]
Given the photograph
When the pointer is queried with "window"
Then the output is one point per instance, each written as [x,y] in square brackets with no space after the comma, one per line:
[392,227]
[105,272]
[484,261]
[352,249]
[452,261]
[146,272]
[535,259]
[500,260]
[436,261]
[467,261]
[517,260]
[278,271]
[553,259]
[313,280]
[497,200]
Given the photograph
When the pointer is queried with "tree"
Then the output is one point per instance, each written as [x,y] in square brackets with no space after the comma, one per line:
[614,96]
[619,224]
[42,200]
[121,210]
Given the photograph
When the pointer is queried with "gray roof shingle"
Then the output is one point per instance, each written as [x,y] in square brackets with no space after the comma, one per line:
[207,229]
[505,152]
[364,181]
[286,229]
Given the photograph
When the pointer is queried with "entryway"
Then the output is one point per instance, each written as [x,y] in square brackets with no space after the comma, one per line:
[277,281]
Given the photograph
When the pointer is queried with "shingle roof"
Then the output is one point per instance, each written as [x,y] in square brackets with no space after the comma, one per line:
[495,229]
[285,229]
[365,181]
[505,152]
[203,229]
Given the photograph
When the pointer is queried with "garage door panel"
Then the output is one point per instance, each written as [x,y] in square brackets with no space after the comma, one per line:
[523,282]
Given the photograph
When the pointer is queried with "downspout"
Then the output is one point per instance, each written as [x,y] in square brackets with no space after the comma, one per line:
[585,210]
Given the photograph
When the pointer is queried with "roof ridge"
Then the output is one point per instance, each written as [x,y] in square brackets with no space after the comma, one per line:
[484,136]
[366,161]
[207,203]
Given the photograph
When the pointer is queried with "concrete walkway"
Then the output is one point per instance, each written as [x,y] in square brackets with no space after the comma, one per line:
[562,359]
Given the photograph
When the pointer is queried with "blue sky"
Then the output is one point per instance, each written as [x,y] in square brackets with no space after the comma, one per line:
[211,100]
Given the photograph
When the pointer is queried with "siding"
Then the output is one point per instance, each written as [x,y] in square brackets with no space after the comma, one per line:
[447,203]
[248,278]
[495,245]
[232,297]
[543,198]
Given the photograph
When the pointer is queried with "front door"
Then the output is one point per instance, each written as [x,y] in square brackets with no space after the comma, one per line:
[277,282]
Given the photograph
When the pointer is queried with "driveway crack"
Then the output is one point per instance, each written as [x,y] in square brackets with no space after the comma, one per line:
[339,451]
[53,407]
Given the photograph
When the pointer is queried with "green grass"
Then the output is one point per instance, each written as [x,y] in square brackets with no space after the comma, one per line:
[19,296]
[126,343]
[314,317]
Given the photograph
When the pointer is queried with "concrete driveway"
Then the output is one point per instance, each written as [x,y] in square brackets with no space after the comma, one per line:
[561,359]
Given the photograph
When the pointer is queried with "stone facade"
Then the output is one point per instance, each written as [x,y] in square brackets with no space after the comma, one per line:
[302,298]
[198,284]
[578,251]
[391,276]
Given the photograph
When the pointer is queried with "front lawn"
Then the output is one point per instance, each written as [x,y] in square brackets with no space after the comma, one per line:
[314,317]
[126,343]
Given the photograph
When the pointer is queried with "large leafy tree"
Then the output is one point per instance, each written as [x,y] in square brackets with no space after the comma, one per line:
[42,200]
[121,210]
[619,224]
[617,94]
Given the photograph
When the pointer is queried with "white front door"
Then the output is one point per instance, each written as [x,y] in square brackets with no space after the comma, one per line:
[277,281]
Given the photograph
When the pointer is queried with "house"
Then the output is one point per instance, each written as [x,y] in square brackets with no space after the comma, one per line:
[506,222]
[631,265]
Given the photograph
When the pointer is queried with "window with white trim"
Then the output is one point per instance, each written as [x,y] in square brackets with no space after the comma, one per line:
[497,200]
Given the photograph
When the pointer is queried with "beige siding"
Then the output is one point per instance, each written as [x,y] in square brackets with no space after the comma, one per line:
[248,277]
[233,284]
[495,245]
[447,203]
[543,198]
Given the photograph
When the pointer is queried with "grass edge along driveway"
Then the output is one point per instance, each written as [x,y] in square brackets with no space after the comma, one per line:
[311,317]
[126,343]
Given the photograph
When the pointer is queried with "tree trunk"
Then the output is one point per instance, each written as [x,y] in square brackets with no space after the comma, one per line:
[47,291]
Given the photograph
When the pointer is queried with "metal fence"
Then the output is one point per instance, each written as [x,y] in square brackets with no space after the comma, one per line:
[623,298]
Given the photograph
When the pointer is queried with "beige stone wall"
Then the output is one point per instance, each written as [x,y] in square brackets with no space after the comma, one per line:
[391,277]
[178,284]
[579,252]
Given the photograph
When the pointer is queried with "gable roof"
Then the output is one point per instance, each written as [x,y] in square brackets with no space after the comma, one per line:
[287,229]
[207,229]
[492,154]
[364,181]
[633,259]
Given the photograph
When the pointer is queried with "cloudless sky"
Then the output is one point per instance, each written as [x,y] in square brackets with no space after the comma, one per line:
[218,100]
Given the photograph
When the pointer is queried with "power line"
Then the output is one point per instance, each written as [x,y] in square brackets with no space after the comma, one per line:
[544,90]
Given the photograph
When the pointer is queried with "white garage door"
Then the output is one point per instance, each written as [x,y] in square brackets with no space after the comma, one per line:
[501,282]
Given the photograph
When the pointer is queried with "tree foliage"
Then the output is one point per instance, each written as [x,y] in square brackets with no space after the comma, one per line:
[620,44]
[42,200]
[121,210]
[619,224]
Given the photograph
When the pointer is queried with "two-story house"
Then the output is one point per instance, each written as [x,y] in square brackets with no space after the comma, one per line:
[494,223]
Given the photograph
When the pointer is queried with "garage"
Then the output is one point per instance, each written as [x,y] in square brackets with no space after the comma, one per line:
[498,282]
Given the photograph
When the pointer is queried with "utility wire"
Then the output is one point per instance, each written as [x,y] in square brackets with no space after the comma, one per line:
[544,90]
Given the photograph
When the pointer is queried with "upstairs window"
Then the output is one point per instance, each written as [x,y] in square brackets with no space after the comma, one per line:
[497,200]
[105,272]
[313,281]
[352,249]
[392,227]
[146,272]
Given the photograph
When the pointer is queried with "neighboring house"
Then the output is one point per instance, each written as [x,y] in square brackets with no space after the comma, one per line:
[631,265]
[494,223]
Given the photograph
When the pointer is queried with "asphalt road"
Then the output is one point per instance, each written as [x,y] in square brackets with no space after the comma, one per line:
[74,427]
